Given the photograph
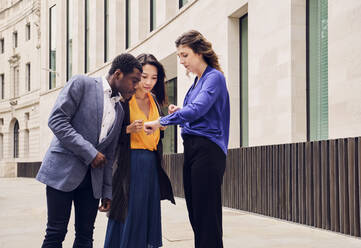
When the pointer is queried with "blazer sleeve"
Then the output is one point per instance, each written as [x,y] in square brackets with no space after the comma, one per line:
[60,121]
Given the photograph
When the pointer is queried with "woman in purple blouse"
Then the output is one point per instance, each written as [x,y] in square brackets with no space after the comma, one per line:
[204,119]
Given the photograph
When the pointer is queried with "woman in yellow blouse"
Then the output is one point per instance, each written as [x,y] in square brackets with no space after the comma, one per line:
[139,182]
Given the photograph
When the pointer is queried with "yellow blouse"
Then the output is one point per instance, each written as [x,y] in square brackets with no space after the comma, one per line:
[141,140]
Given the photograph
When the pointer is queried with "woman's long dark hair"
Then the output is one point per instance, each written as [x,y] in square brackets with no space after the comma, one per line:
[159,87]
[200,45]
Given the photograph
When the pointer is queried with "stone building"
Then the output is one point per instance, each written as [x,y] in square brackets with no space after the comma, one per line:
[293,67]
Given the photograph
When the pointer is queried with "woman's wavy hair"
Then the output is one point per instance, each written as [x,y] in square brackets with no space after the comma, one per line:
[200,45]
[159,87]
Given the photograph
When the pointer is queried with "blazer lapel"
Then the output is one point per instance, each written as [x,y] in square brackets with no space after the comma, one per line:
[100,105]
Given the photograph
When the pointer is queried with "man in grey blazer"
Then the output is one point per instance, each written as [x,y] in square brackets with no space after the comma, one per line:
[86,121]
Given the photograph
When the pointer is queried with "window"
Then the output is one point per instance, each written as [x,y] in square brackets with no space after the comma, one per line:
[153,14]
[27,32]
[26,143]
[2,45]
[106,30]
[317,69]
[86,64]
[15,39]
[170,134]
[27,76]
[69,43]
[243,24]
[182,3]
[1,146]
[2,85]
[16,81]
[52,48]
[16,139]
[127,24]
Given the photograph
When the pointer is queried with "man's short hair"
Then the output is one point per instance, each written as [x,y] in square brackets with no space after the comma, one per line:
[126,63]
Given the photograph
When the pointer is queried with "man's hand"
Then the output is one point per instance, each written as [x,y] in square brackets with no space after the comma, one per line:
[98,161]
[105,207]
[135,127]
[151,126]
[173,108]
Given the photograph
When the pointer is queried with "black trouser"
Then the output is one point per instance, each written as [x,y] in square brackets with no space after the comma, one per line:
[204,165]
[59,208]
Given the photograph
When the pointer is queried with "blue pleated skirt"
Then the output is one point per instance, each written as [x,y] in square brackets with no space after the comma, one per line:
[142,227]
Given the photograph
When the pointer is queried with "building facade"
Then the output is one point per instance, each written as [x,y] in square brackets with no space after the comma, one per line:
[293,69]
[19,83]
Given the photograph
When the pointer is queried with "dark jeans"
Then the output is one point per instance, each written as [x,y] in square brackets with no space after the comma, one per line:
[59,208]
[204,166]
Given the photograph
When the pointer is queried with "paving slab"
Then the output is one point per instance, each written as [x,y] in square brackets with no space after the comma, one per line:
[23,221]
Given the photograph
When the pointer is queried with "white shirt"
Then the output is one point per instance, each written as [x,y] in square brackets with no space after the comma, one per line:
[108,110]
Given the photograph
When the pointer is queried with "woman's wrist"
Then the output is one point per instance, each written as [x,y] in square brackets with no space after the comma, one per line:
[160,125]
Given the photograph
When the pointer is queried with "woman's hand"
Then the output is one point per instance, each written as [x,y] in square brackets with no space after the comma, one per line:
[135,127]
[173,108]
[151,126]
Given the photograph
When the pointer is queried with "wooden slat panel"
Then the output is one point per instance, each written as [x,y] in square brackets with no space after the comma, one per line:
[358,162]
[353,187]
[258,180]
[325,193]
[264,188]
[269,180]
[343,189]
[255,180]
[309,186]
[249,180]
[244,179]
[294,182]
[276,187]
[314,183]
[334,187]
[317,184]
[28,169]
[302,183]
[287,164]
[281,196]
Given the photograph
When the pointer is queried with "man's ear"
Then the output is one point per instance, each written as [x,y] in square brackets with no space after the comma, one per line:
[119,74]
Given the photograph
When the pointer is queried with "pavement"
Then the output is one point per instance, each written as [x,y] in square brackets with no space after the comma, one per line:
[23,221]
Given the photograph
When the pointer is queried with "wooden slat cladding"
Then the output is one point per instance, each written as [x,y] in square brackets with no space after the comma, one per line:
[313,183]
[28,169]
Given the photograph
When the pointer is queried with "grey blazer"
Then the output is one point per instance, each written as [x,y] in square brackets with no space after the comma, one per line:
[76,121]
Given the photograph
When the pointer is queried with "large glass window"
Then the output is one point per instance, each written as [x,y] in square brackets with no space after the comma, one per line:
[127,24]
[15,39]
[16,81]
[87,55]
[153,14]
[16,139]
[106,30]
[244,79]
[317,69]
[28,76]
[27,32]
[2,45]
[182,3]
[52,47]
[2,85]
[170,134]
[69,42]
